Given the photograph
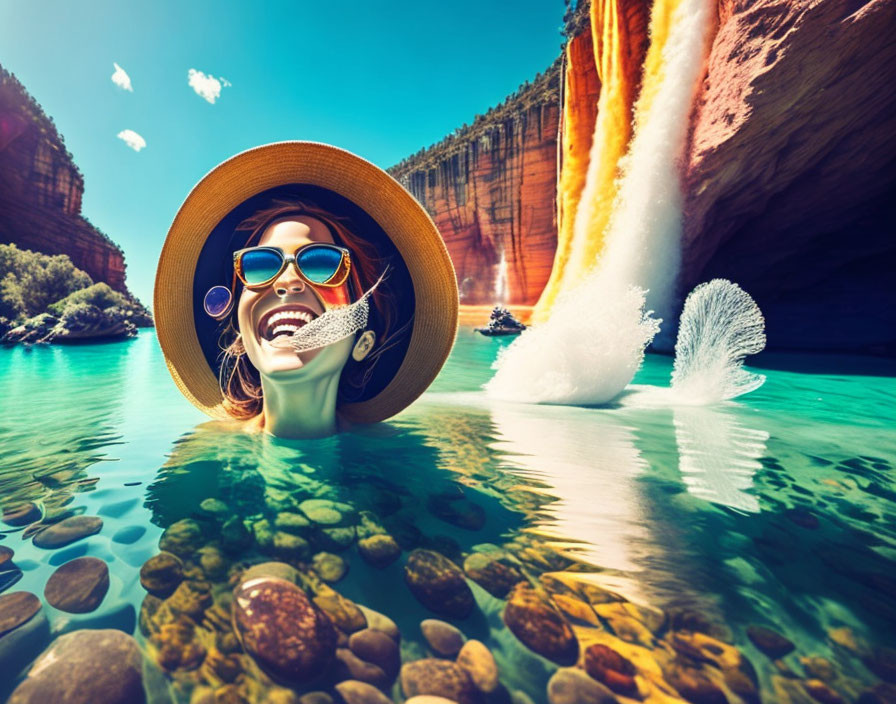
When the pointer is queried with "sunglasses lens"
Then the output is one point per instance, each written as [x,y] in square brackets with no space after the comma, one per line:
[260,265]
[320,264]
[218,302]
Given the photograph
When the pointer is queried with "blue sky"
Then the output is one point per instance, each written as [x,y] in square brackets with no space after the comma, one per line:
[381,79]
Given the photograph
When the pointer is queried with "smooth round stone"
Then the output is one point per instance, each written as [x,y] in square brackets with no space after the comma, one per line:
[438,584]
[235,537]
[377,648]
[821,692]
[182,538]
[290,546]
[67,531]
[329,567]
[279,570]
[355,692]
[20,646]
[161,574]
[490,573]
[214,507]
[213,562]
[380,622]
[693,685]
[9,577]
[21,515]
[190,598]
[336,538]
[540,626]
[291,522]
[343,612]
[429,699]
[478,660]
[442,678]
[379,550]
[606,665]
[321,511]
[571,686]
[79,586]
[351,667]
[442,637]
[16,608]
[769,642]
[313,698]
[86,667]
[5,556]
[282,630]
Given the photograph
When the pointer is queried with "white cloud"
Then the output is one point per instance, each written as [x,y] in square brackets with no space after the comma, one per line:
[121,78]
[132,139]
[207,87]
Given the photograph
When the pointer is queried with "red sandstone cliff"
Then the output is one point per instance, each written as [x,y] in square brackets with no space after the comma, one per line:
[41,188]
[790,175]
[491,188]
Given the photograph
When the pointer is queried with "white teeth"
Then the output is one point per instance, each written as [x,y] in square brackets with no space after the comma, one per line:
[290,314]
[284,328]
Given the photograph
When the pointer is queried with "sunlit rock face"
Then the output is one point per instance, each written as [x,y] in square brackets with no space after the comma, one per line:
[790,171]
[41,188]
[491,189]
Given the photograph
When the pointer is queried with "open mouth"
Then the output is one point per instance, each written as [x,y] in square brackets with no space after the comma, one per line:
[280,323]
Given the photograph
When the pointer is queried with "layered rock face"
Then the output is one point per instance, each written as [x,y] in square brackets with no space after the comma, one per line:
[790,172]
[491,190]
[41,188]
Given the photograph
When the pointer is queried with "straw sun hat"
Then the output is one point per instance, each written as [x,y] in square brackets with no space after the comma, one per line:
[196,256]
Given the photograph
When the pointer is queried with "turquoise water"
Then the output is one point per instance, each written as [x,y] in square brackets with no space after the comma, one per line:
[777,510]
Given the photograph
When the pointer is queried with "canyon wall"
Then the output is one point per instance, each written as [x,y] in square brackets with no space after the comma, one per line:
[491,190]
[790,173]
[41,188]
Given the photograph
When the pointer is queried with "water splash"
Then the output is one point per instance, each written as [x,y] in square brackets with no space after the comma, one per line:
[586,352]
[720,325]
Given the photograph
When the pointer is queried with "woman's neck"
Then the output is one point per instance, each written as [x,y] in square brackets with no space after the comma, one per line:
[300,408]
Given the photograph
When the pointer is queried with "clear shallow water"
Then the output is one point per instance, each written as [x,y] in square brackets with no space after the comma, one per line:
[777,510]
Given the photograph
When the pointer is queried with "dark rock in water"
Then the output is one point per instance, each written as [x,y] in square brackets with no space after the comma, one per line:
[86,667]
[291,522]
[282,630]
[441,678]
[21,515]
[313,698]
[335,539]
[882,662]
[606,665]
[379,550]
[802,518]
[67,531]
[540,626]
[821,692]
[214,507]
[177,646]
[161,574]
[770,642]
[5,556]
[355,692]
[438,584]
[16,608]
[694,686]
[9,577]
[571,686]
[325,512]
[456,510]
[490,573]
[351,667]
[478,660]
[377,648]
[20,646]
[79,586]
[191,599]
[289,546]
[442,637]
[182,538]
[235,537]
[213,563]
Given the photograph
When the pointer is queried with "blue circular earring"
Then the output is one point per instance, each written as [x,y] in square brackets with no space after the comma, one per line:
[218,302]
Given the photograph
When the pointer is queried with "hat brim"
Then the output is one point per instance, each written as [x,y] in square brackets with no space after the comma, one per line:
[400,216]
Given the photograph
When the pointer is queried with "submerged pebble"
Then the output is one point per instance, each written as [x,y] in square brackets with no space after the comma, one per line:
[442,637]
[571,686]
[609,667]
[439,677]
[5,556]
[478,660]
[355,692]
[67,531]
[376,647]
[379,550]
[540,626]
[282,630]
[329,567]
[17,608]
[161,574]
[9,577]
[769,641]
[86,667]
[438,584]
[491,573]
[21,515]
[182,538]
[78,586]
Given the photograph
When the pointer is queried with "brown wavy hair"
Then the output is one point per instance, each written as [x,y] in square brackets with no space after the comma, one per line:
[239,379]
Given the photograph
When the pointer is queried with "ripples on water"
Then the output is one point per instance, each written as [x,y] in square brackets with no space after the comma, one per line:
[776,510]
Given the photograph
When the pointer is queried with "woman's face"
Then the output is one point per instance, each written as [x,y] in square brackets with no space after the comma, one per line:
[268,317]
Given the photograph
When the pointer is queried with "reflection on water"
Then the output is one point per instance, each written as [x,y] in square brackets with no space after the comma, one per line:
[667,534]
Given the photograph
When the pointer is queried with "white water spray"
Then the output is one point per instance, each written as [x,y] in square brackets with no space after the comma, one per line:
[594,341]
[501,282]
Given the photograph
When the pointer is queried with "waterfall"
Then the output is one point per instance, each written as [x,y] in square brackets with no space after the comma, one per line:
[501,284]
[589,346]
